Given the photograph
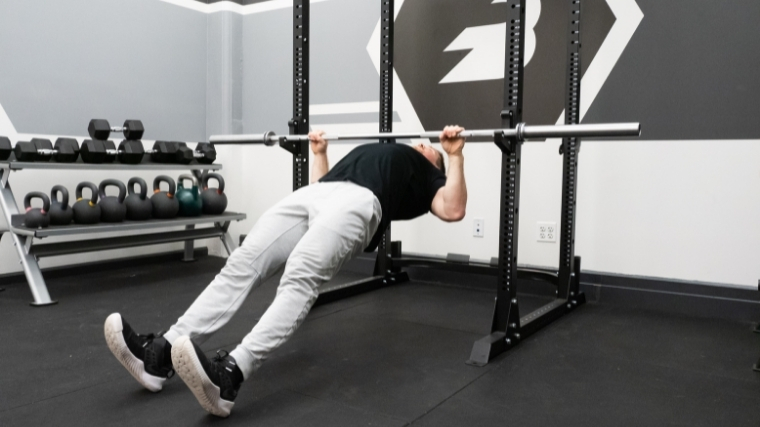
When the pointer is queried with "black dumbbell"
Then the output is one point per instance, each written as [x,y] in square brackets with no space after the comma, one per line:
[101,129]
[66,150]
[129,151]
[204,152]
[132,152]
[165,151]
[97,151]
[5,148]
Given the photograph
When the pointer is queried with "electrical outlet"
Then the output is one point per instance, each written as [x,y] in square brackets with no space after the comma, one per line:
[546,232]
[478,225]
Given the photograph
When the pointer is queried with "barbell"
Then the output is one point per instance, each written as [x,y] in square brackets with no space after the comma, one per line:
[521,132]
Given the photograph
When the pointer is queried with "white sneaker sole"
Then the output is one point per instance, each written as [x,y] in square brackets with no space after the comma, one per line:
[115,340]
[189,368]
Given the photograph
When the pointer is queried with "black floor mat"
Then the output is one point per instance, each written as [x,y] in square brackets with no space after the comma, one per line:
[389,358]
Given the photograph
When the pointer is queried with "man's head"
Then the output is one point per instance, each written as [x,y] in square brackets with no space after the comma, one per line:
[430,153]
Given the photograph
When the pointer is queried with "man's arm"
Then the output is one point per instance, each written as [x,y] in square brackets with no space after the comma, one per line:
[320,167]
[450,202]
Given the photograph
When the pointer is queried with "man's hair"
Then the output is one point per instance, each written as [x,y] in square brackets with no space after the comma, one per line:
[440,163]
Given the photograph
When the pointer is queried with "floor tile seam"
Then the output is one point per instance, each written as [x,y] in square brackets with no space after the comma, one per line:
[69,301]
[344,404]
[446,285]
[53,397]
[483,291]
[405,320]
[351,307]
[307,318]
[474,288]
[64,317]
[469,383]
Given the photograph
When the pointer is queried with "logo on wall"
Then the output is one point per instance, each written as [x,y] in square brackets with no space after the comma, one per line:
[450,57]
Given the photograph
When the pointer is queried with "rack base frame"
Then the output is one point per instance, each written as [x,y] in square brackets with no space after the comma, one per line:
[497,342]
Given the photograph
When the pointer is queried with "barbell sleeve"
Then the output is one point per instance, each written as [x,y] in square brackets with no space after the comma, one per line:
[521,132]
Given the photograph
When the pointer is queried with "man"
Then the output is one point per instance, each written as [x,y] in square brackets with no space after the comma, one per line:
[312,232]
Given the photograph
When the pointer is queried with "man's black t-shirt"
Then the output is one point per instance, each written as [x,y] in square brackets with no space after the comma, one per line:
[403,180]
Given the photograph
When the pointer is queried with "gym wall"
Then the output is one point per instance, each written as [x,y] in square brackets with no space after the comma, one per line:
[679,203]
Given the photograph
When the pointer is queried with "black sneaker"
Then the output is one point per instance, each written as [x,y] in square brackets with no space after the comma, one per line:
[146,357]
[215,383]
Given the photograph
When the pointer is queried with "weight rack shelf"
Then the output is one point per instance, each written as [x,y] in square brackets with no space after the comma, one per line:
[80,165]
[29,252]
[17,226]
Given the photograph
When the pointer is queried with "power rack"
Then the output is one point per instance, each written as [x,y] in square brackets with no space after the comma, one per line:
[508,328]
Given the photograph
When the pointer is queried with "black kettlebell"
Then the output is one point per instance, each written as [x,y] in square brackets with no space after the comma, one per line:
[112,208]
[60,211]
[189,199]
[139,207]
[87,211]
[36,217]
[165,205]
[214,199]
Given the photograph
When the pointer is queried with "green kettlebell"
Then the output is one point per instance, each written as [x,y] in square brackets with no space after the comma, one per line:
[190,203]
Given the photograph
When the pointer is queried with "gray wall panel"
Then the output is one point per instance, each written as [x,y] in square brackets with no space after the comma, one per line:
[267,88]
[224,84]
[65,62]
[689,72]
[341,69]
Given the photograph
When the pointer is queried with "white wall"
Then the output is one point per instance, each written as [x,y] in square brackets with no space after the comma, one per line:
[669,209]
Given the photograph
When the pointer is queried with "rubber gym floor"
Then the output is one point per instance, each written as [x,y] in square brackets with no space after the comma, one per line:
[393,357]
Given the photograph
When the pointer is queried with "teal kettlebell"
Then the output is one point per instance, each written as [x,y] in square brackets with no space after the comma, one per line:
[190,203]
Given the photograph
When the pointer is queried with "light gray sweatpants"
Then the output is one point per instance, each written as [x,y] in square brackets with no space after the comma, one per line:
[312,232]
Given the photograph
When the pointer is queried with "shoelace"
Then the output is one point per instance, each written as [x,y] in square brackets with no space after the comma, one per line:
[219,356]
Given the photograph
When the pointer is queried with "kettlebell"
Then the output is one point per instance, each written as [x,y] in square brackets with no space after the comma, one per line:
[139,207]
[87,211]
[189,199]
[36,217]
[60,211]
[214,199]
[112,208]
[165,205]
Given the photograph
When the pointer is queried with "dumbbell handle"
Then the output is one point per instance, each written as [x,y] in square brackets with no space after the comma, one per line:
[46,152]
[112,152]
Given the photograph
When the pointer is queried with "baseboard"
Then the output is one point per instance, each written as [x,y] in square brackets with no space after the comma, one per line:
[97,266]
[700,299]
[712,300]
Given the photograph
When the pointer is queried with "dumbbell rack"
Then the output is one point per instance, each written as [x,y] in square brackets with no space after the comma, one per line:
[29,253]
